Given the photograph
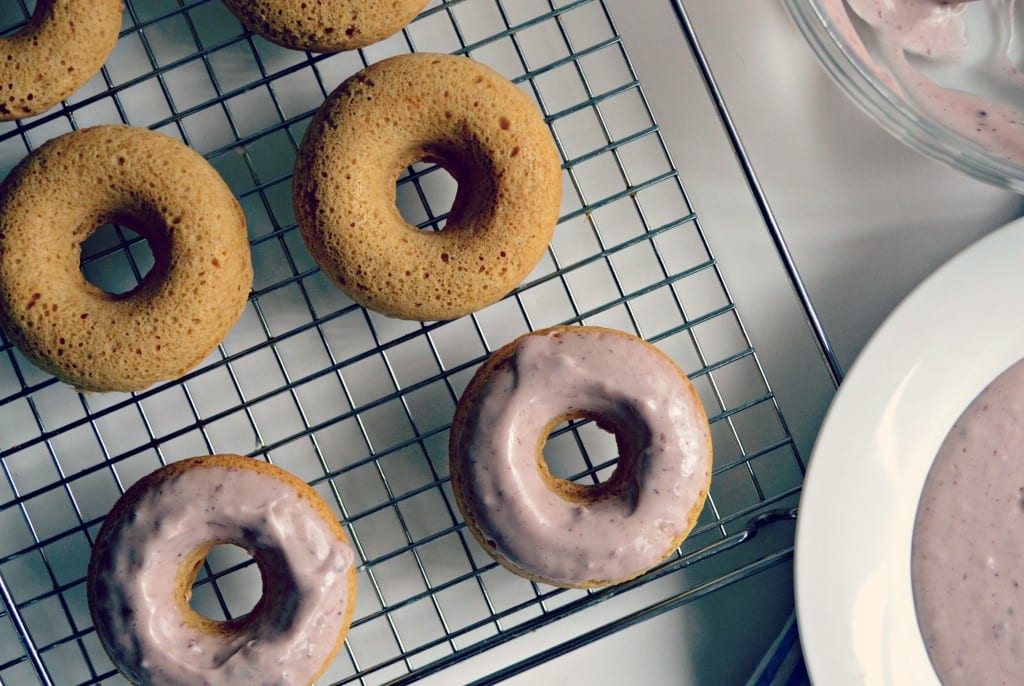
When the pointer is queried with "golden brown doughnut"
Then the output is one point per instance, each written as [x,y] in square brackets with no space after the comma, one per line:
[202,273]
[60,48]
[152,543]
[325,26]
[478,126]
[561,532]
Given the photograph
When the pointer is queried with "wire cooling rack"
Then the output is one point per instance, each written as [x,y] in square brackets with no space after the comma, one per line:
[358,404]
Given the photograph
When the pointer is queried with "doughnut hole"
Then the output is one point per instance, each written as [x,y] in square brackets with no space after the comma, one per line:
[577,449]
[425,194]
[115,259]
[125,253]
[237,583]
[446,185]
[13,20]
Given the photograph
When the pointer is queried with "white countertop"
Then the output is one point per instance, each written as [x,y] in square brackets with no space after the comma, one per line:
[866,219]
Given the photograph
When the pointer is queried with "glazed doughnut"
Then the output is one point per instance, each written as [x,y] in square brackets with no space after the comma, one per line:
[325,26]
[152,543]
[60,48]
[557,531]
[202,273]
[471,121]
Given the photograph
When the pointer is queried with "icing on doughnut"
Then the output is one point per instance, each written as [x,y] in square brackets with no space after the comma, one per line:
[147,553]
[561,532]
[60,48]
[470,120]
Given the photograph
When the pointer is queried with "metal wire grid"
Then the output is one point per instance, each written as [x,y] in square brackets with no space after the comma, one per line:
[355,403]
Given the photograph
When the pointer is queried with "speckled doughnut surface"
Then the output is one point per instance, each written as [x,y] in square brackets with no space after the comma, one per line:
[478,126]
[202,273]
[61,47]
[325,25]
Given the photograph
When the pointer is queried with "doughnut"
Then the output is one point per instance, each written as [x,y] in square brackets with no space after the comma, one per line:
[157,535]
[472,122]
[325,26]
[156,186]
[560,532]
[60,48]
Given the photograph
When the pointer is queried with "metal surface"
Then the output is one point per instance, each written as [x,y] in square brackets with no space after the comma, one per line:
[358,404]
[835,368]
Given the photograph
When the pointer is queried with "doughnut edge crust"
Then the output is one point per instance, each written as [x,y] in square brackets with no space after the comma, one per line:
[62,46]
[130,508]
[194,293]
[325,26]
[478,126]
[565,493]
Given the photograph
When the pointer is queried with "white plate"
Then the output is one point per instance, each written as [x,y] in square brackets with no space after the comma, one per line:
[952,336]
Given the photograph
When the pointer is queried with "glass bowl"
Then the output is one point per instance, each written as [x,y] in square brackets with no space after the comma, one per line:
[900,93]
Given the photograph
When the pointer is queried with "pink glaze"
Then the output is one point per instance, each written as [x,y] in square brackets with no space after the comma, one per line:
[640,395]
[981,99]
[305,567]
[925,27]
[968,551]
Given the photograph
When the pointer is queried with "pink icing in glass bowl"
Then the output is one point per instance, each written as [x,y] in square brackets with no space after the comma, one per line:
[944,77]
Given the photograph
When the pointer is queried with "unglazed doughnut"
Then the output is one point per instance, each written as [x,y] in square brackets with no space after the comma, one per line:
[471,121]
[60,48]
[157,535]
[560,532]
[325,26]
[94,340]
